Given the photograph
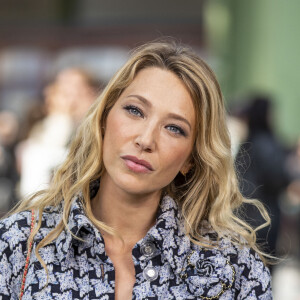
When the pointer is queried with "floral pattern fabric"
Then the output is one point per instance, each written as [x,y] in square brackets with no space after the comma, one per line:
[167,264]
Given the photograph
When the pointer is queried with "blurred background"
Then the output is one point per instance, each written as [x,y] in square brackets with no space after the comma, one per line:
[57,55]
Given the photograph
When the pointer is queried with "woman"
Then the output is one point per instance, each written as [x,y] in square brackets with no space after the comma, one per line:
[145,206]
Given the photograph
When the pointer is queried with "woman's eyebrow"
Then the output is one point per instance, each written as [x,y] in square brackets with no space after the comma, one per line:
[142,99]
[180,118]
[170,115]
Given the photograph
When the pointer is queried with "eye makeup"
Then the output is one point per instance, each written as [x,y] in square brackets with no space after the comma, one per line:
[134,110]
[177,130]
[172,128]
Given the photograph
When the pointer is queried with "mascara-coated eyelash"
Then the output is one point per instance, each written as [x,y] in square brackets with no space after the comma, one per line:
[176,130]
[133,110]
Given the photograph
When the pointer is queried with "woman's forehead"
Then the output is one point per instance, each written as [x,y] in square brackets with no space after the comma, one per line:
[162,89]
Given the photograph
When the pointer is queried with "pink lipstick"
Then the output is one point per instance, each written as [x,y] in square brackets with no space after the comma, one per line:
[137,165]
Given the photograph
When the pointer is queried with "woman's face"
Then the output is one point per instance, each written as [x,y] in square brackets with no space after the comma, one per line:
[149,133]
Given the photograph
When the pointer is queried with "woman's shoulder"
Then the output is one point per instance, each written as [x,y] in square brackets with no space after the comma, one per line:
[51,217]
[15,229]
[14,233]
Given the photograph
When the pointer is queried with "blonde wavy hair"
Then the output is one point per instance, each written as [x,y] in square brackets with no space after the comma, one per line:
[210,190]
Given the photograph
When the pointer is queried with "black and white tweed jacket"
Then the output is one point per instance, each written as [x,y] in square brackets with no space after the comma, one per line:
[167,264]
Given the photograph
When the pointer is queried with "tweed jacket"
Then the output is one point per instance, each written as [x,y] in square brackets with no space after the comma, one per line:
[167,264]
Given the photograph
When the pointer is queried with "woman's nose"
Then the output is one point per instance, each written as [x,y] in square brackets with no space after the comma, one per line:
[146,139]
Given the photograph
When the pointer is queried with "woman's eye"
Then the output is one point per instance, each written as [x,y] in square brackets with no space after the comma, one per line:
[176,130]
[133,110]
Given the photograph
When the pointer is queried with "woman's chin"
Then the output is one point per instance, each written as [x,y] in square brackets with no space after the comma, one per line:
[138,188]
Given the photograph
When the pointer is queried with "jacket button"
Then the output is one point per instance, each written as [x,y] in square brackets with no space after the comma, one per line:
[148,249]
[150,273]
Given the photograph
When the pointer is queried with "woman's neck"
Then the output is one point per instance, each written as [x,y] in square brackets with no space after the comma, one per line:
[130,215]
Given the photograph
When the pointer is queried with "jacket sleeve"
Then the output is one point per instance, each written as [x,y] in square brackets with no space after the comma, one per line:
[14,232]
[254,277]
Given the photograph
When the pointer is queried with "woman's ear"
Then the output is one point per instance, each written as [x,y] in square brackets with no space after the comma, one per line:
[186,167]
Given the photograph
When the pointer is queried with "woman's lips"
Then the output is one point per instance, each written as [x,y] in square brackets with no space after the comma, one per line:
[137,165]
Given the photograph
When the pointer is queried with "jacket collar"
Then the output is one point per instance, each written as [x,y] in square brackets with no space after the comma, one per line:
[168,233]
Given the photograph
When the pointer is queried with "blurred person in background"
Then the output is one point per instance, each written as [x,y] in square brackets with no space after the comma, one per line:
[144,206]
[34,113]
[293,162]
[67,100]
[261,164]
[238,131]
[79,87]
[290,204]
[9,129]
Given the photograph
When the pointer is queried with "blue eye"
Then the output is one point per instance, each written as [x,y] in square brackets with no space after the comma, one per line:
[176,130]
[133,110]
